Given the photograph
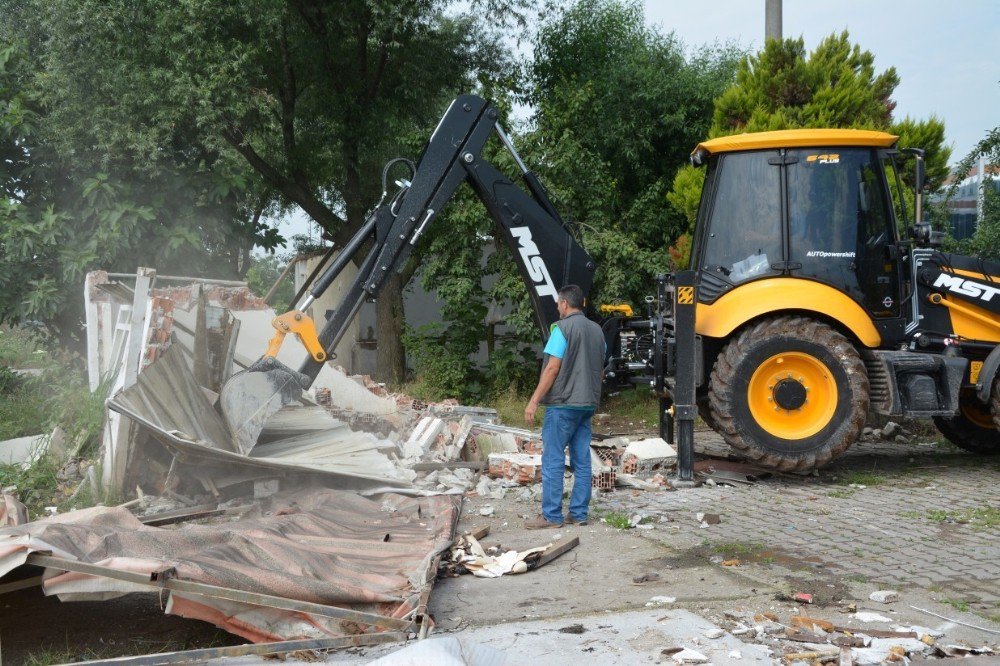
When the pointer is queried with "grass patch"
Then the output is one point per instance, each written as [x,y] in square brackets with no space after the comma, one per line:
[957,604]
[510,407]
[985,517]
[617,520]
[636,406]
[842,493]
[59,396]
[856,578]
[38,486]
[629,409]
[738,549]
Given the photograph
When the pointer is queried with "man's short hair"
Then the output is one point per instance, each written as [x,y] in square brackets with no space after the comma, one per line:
[573,296]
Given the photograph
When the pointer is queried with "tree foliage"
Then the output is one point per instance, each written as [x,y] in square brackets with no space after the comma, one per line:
[270,104]
[616,106]
[67,208]
[837,85]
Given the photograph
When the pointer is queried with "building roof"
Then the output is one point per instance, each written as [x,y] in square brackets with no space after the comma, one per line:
[796,138]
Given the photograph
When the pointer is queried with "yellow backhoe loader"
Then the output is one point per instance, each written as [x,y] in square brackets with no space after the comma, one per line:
[812,299]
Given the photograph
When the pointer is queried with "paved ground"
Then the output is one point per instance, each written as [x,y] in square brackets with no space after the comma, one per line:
[884,516]
[886,513]
[818,534]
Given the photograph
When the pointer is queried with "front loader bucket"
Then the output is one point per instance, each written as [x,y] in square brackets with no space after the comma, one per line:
[252,396]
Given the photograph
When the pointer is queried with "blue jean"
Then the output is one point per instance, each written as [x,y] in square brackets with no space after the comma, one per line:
[564,428]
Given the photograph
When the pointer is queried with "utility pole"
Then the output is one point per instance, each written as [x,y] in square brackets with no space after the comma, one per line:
[772,19]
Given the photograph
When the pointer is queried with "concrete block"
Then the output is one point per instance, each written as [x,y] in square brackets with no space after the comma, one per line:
[524,468]
[647,455]
[423,437]
[23,449]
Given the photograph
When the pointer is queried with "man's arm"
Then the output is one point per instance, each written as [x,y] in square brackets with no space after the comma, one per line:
[545,382]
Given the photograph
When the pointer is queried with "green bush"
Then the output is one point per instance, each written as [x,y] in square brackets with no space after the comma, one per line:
[443,365]
[59,396]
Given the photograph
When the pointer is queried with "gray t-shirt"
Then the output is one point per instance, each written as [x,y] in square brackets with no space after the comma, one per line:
[580,344]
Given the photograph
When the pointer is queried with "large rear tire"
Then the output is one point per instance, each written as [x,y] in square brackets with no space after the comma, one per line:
[974,427]
[790,393]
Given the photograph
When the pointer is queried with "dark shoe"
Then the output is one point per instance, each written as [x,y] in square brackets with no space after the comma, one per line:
[540,523]
[570,520]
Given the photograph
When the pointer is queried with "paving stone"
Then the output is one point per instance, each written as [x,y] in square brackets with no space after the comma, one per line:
[883,532]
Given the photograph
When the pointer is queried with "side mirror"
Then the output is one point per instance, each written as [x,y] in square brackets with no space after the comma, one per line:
[921,175]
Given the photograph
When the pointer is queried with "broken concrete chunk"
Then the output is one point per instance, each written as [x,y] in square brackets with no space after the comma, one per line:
[884,596]
[647,456]
[422,437]
[863,616]
[523,468]
[659,601]
[890,430]
[689,656]
[23,449]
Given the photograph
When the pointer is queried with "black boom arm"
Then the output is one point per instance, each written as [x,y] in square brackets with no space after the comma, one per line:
[547,254]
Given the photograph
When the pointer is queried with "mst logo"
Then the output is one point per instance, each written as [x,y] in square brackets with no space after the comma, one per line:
[532,259]
[966,287]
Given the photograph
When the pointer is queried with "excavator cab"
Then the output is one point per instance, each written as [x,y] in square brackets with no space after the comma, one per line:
[822,213]
[817,301]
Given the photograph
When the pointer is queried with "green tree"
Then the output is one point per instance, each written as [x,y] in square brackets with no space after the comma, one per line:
[783,87]
[313,96]
[64,211]
[619,106]
[616,106]
[985,242]
[262,275]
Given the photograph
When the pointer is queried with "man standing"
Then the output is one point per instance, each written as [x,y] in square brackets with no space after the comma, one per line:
[570,390]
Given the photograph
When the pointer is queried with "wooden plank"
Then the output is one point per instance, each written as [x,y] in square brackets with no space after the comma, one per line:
[875,633]
[182,514]
[20,584]
[557,549]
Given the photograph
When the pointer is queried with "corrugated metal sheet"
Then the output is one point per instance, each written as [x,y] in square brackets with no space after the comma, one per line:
[167,400]
[322,546]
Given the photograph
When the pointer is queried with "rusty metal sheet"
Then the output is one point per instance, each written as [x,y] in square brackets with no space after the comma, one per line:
[320,546]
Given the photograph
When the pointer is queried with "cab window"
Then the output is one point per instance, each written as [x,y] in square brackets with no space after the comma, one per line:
[743,236]
[840,224]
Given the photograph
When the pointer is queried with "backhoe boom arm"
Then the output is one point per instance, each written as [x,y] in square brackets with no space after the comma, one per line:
[546,253]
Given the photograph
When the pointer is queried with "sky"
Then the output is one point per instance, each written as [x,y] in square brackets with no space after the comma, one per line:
[946,53]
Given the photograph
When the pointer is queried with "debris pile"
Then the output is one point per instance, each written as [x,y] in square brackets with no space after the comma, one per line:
[810,640]
[467,555]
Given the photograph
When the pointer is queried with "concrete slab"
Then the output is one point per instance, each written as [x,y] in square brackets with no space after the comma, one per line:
[634,637]
[22,449]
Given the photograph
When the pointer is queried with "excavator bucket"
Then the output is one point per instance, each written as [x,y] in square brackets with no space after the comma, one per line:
[252,396]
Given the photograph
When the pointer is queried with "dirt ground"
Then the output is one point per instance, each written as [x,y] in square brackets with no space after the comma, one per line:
[35,629]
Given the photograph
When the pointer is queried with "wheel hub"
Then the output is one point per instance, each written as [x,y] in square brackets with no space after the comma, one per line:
[790,394]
